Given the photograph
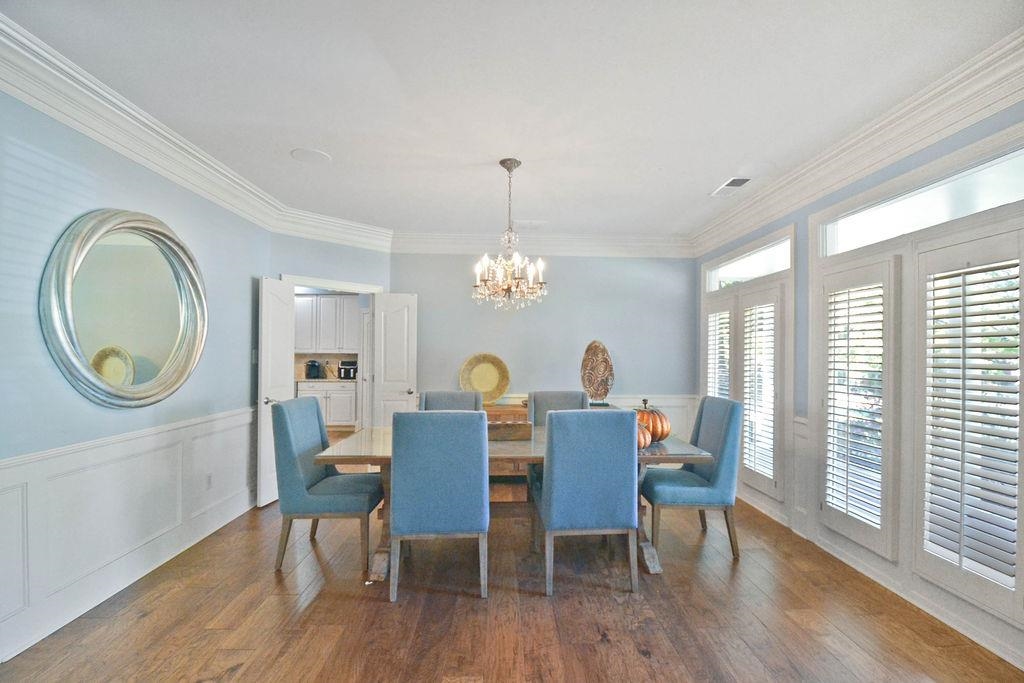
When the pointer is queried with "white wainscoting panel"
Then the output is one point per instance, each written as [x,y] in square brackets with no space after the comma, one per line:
[81,522]
[14,555]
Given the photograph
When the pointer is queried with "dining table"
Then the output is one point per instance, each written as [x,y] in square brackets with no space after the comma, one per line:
[371,446]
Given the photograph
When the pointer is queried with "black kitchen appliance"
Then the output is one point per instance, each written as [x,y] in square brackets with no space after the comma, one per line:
[314,370]
[347,369]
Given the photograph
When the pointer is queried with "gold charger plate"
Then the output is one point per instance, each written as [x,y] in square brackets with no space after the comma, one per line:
[115,365]
[485,373]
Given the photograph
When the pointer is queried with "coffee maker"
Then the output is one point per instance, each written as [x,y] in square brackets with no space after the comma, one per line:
[347,369]
[314,370]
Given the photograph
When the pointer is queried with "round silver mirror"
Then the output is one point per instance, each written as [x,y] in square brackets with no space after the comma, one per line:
[123,308]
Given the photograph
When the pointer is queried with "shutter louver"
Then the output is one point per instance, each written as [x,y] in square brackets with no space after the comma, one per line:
[972,419]
[759,389]
[853,462]
[718,354]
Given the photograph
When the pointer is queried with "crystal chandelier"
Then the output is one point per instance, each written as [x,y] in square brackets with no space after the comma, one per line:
[510,281]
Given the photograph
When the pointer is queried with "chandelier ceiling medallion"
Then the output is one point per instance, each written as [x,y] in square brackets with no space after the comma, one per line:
[510,281]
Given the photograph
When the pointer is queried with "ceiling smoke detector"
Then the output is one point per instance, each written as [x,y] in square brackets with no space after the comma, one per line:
[729,187]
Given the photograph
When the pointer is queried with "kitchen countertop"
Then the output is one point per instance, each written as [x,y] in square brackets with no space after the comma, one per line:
[325,380]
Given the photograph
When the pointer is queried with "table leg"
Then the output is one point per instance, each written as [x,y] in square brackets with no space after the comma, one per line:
[648,555]
[380,560]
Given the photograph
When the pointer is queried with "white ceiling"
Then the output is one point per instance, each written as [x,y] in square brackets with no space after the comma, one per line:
[626,115]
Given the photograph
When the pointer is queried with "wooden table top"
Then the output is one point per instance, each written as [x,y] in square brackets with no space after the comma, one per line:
[372,446]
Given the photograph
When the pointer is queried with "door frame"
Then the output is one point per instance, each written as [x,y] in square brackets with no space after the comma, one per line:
[339,285]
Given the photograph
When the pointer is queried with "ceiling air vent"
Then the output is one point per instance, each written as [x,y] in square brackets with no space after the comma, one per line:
[730,186]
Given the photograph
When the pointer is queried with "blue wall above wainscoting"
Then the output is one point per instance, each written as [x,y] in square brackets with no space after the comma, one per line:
[49,175]
[643,309]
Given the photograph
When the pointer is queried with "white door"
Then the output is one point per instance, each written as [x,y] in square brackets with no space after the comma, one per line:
[365,375]
[394,356]
[276,376]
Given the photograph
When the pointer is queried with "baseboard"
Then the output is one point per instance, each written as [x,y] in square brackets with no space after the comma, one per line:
[82,522]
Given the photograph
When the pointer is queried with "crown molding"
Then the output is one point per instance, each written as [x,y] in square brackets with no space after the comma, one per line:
[984,85]
[35,73]
[615,245]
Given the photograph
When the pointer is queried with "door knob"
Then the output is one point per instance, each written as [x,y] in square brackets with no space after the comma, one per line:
[267,400]
[409,391]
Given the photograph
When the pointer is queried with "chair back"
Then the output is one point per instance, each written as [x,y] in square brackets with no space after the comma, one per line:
[718,430]
[451,400]
[590,470]
[299,435]
[439,473]
[539,403]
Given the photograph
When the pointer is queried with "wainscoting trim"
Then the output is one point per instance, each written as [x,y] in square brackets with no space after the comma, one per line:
[203,469]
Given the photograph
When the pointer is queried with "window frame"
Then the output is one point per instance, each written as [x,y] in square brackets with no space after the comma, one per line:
[848,273]
[986,237]
[778,288]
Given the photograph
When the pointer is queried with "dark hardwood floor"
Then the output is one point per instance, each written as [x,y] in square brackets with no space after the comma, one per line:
[786,611]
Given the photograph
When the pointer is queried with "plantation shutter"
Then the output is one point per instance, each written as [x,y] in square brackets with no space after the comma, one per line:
[972,401]
[759,389]
[853,410]
[718,354]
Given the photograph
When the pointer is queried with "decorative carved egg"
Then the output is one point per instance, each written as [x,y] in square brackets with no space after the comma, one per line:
[597,372]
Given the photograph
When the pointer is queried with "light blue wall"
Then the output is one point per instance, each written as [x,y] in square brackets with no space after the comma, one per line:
[297,256]
[49,175]
[983,129]
[643,310]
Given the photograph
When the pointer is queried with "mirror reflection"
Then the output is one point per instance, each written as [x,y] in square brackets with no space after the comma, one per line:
[127,315]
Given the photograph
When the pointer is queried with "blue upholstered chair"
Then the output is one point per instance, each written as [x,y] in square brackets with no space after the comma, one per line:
[439,481]
[310,491]
[451,400]
[718,430]
[538,404]
[589,485]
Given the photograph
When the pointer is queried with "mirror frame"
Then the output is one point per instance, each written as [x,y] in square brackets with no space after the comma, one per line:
[58,322]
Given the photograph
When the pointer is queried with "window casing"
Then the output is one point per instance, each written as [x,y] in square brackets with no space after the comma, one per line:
[746,356]
[855,373]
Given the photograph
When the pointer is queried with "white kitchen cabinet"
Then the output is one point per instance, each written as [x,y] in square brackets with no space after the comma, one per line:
[305,323]
[337,400]
[352,328]
[328,323]
[341,406]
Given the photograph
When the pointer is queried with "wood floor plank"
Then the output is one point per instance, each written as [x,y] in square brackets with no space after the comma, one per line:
[786,611]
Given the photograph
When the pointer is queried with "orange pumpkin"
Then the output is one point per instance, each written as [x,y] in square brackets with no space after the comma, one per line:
[643,437]
[655,420]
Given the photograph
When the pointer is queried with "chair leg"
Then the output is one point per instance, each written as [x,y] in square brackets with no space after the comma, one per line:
[483,565]
[549,563]
[634,578]
[655,524]
[364,540]
[535,531]
[312,528]
[396,549]
[703,520]
[730,524]
[286,527]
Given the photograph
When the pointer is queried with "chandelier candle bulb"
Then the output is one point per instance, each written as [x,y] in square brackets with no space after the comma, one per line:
[540,270]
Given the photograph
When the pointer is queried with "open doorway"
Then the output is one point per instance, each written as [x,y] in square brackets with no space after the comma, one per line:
[315,339]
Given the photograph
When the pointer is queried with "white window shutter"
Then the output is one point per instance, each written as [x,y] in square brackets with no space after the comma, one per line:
[718,354]
[854,403]
[759,389]
[972,401]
